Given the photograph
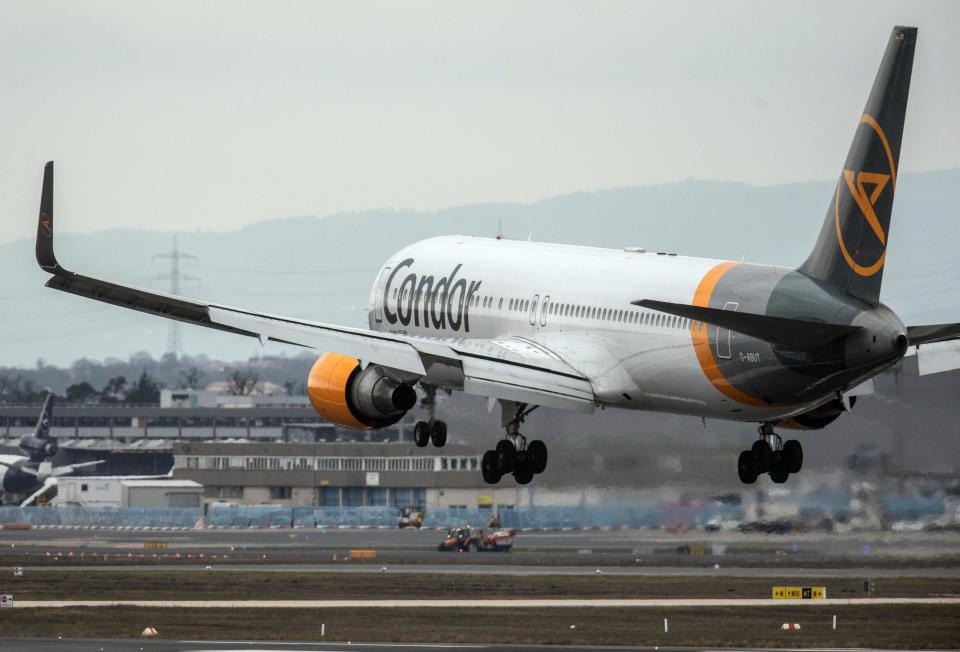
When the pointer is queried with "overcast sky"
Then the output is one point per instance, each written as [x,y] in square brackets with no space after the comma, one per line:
[212,115]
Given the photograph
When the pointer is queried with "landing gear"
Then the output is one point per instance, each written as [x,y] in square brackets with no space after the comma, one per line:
[432,430]
[770,454]
[514,454]
[425,432]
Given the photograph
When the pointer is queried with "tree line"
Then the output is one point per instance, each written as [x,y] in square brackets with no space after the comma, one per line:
[139,380]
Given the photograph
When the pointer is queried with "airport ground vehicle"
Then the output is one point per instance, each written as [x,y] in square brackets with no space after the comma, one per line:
[531,324]
[410,518]
[464,539]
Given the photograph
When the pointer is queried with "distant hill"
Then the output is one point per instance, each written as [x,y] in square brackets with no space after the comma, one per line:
[322,267]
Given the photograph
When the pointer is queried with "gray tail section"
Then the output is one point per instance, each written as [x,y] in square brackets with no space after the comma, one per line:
[851,250]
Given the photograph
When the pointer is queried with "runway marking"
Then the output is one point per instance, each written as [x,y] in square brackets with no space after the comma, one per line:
[473,604]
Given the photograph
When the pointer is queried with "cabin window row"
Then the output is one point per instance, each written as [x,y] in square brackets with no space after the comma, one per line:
[658,320]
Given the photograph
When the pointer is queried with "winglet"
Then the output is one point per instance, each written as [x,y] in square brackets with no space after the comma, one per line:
[45,256]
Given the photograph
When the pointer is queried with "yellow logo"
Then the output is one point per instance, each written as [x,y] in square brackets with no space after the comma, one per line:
[45,225]
[865,189]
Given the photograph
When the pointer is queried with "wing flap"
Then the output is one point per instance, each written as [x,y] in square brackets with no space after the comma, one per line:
[360,344]
[797,334]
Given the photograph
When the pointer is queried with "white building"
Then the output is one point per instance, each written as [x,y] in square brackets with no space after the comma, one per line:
[124,491]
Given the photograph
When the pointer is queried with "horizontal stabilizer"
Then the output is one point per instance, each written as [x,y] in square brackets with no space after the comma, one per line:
[934,333]
[796,334]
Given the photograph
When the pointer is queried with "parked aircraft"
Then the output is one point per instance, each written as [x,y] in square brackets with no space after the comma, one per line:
[532,324]
[24,475]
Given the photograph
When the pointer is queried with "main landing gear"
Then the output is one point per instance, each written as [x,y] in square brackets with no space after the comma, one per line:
[770,454]
[432,430]
[514,454]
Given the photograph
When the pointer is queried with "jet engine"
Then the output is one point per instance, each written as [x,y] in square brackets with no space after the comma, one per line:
[364,399]
[38,447]
[819,418]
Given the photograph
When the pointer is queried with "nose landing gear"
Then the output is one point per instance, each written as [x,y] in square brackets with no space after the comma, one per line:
[514,454]
[770,454]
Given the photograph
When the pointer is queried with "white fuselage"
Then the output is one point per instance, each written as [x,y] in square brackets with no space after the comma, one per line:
[574,301]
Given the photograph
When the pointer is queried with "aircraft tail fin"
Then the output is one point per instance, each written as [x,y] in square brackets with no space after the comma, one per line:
[46,414]
[851,250]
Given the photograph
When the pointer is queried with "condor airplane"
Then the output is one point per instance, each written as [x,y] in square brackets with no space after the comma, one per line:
[531,324]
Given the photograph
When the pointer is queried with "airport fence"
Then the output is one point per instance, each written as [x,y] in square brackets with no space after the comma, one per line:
[269,516]
[265,516]
[103,517]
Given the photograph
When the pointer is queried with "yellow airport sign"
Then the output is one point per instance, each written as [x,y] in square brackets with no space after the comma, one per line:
[154,545]
[799,593]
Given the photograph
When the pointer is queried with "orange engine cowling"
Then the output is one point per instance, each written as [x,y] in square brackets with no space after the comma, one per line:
[343,393]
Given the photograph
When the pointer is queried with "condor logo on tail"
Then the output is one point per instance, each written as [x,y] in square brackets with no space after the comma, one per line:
[439,302]
[865,255]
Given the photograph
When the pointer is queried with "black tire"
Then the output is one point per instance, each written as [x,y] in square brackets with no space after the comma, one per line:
[793,455]
[537,454]
[779,473]
[438,433]
[421,434]
[524,474]
[489,469]
[747,467]
[506,456]
[762,455]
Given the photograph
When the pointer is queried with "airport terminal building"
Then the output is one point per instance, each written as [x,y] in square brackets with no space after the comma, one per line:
[340,474]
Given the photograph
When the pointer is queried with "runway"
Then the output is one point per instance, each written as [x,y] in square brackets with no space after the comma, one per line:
[150,645]
[479,603]
[520,570]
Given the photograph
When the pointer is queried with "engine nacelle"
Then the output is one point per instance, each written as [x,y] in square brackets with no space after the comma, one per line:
[347,395]
[819,418]
[38,447]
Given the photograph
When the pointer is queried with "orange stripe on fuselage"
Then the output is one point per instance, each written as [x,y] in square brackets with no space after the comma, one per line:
[701,340]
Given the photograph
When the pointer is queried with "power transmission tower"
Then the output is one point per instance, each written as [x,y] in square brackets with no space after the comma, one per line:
[176,277]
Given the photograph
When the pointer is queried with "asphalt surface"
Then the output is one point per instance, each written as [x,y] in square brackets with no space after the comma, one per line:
[574,548]
[496,603]
[521,570]
[151,645]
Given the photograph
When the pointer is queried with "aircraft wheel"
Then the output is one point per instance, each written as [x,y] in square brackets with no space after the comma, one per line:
[793,455]
[762,455]
[747,467]
[489,469]
[523,474]
[438,433]
[537,454]
[779,474]
[421,434]
[506,456]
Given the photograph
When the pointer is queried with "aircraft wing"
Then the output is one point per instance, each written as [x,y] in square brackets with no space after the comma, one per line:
[58,471]
[509,369]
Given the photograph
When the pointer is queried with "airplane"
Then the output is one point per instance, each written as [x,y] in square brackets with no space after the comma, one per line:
[24,475]
[529,324]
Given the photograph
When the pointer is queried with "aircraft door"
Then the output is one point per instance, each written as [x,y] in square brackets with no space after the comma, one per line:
[544,310]
[723,344]
[533,309]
